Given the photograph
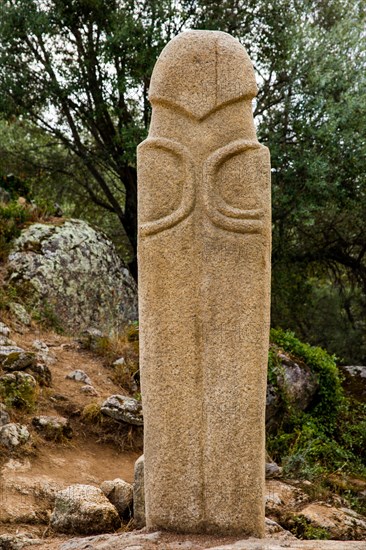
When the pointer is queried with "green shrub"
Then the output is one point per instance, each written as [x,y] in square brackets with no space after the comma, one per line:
[12,218]
[330,394]
[331,435]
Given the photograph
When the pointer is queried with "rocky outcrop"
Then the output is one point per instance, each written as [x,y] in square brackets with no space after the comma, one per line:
[84,509]
[123,408]
[19,361]
[339,523]
[72,272]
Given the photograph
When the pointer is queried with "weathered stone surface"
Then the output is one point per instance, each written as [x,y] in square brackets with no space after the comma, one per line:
[139,515]
[54,428]
[79,376]
[119,493]
[13,435]
[4,330]
[164,541]
[355,381]
[28,361]
[275,530]
[281,497]
[296,383]
[20,313]
[5,351]
[18,389]
[43,352]
[341,523]
[76,272]
[4,341]
[204,278]
[84,509]
[19,361]
[92,338]
[273,470]
[17,542]
[4,415]
[124,409]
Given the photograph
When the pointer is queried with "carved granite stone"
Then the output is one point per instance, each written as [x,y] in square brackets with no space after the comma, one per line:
[204,290]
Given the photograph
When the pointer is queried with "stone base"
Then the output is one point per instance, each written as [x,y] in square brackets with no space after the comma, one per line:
[144,540]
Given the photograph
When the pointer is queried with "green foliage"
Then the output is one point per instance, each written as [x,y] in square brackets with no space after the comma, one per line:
[7,294]
[331,435]
[12,219]
[92,413]
[19,393]
[15,186]
[312,93]
[303,529]
[330,393]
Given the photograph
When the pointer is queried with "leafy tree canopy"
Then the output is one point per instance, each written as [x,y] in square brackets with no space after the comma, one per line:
[79,70]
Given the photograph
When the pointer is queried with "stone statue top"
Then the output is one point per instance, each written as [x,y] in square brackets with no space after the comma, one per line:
[201,71]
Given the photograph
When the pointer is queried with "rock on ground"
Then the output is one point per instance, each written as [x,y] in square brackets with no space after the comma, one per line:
[340,523]
[73,272]
[53,428]
[13,435]
[281,497]
[123,408]
[17,542]
[297,382]
[119,493]
[5,351]
[19,361]
[84,509]
[79,376]
[4,330]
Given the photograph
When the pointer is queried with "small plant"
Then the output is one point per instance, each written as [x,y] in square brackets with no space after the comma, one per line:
[8,294]
[109,430]
[92,413]
[303,529]
[13,217]
[132,332]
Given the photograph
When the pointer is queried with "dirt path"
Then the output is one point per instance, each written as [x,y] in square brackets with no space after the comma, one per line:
[29,477]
